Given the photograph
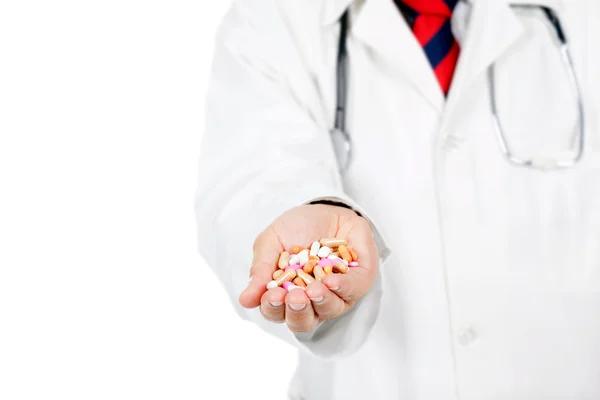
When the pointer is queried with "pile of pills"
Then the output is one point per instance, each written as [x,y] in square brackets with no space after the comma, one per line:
[302,266]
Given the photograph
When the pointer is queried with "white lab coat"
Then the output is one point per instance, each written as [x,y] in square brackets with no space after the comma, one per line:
[490,281]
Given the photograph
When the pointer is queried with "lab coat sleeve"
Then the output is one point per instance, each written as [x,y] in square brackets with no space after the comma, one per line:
[264,151]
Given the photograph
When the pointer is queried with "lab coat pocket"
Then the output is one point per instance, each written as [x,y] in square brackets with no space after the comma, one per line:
[570,235]
[538,103]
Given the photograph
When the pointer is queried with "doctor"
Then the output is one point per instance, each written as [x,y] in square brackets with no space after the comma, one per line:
[467,176]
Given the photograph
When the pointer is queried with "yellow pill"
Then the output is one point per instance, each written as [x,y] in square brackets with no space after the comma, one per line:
[318,273]
[284,260]
[332,242]
[305,277]
[285,277]
[340,266]
[277,273]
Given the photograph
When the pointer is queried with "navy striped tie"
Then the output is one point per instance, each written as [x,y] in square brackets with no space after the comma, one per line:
[432,28]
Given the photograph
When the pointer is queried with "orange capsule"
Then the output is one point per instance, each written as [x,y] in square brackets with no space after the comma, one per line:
[296,249]
[314,258]
[309,266]
[328,269]
[353,253]
[299,281]
[344,253]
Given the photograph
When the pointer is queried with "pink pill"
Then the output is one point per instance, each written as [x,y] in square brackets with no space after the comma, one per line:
[324,262]
[295,267]
[353,264]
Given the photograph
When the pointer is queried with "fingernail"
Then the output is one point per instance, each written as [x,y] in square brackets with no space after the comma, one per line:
[316,299]
[276,303]
[297,307]
[335,288]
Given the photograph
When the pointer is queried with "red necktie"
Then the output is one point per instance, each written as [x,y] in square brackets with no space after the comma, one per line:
[432,28]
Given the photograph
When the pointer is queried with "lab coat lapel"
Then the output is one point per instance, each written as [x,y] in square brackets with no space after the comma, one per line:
[380,26]
[492,28]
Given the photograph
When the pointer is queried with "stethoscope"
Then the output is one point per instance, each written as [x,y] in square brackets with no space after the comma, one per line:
[342,142]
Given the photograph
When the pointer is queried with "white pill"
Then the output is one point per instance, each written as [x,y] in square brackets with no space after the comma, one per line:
[314,249]
[303,257]
[272,285]
[294,259]
[324,252]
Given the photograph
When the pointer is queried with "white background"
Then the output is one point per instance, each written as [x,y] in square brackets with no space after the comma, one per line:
[102,293]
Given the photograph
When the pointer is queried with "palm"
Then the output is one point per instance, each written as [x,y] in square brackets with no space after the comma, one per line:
[303,225]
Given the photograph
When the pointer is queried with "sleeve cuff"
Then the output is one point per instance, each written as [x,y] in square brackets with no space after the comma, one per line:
[380,242]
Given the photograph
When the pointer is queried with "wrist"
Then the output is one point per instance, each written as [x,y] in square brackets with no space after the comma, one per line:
[335,204]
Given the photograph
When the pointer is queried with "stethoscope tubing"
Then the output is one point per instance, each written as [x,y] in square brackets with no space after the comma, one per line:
[339,132]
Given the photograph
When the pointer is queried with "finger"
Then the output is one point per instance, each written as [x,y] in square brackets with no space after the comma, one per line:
[272,305]
[299,314]
[352,286]
[326,304]
[266,253]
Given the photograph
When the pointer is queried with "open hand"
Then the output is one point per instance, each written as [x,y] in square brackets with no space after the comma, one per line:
[303,310]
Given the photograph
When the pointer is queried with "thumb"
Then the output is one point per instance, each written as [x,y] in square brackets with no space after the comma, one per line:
[260,275]
[261,272]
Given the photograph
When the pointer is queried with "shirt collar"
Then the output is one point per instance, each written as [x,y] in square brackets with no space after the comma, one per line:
[333,9]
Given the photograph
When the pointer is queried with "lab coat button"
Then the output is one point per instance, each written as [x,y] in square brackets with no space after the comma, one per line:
[451,142]
[466,336]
